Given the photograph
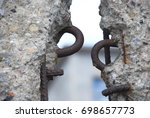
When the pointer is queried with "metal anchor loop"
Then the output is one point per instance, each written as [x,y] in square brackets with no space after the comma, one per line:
[76,46]
[106,44]
[95,51]
[47,74]
[116,89]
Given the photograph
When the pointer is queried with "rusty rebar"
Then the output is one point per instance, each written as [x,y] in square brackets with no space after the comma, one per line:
[106,34]
[54,72]
[47,75]
[44,81]
[124,50]
[76,46]
[116,89]
[95,52]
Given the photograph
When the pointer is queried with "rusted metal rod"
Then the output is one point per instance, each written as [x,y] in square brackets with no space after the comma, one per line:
[76,46]
[54,72]
[46,75]
[95,52]
[116,89]
[106,34]
[44,81]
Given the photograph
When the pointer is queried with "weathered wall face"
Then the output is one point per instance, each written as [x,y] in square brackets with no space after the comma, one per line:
[27,31]
[130,18]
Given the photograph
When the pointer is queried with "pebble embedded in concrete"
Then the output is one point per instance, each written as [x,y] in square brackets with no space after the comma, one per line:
[33,28]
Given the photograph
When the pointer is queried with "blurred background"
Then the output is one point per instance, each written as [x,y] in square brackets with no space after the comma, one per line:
[81,80]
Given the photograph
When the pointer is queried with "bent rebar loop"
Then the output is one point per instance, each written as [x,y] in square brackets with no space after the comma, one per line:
[73,48]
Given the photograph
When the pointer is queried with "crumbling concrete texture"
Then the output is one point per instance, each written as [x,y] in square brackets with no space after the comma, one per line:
[130,18]
[27,31]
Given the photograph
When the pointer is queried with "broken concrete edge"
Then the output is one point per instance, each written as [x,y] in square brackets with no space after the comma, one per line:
[25,39]
[131,19]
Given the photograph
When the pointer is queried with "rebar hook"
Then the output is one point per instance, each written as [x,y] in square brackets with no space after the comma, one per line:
[76,46]
[95,51]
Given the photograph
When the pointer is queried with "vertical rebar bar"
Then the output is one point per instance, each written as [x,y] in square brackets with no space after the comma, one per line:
[44,81]
[106,34]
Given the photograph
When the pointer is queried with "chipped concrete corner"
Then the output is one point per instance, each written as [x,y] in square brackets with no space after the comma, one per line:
[27,31]
[130,18]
